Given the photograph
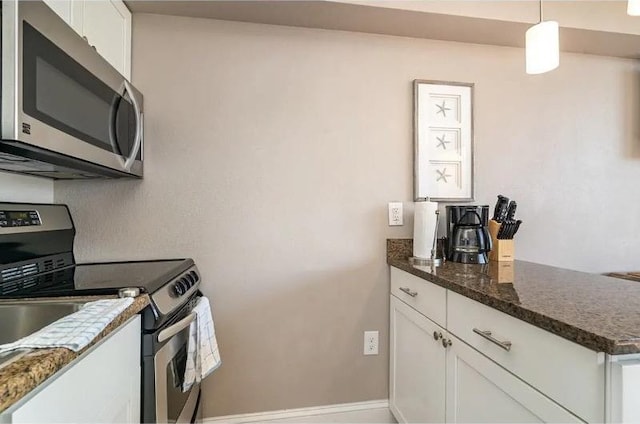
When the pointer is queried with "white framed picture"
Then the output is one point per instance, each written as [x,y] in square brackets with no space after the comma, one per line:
[443,141]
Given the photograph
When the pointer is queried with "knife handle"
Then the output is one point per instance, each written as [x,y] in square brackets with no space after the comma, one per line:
[496,210]
[515,230]
[502,216]
[511,210]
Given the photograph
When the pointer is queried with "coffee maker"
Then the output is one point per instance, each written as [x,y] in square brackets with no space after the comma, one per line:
[468,239]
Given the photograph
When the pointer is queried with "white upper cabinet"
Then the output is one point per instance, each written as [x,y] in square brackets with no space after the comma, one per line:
[62,8]
[105,24]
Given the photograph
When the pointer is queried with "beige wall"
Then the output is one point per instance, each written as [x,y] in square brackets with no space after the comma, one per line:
[20,188]
[271,154]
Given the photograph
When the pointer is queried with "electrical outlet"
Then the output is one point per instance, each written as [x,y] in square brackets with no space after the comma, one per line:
[370,342]
[395,213]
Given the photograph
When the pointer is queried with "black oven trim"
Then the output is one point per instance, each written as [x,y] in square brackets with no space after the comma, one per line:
[150,348]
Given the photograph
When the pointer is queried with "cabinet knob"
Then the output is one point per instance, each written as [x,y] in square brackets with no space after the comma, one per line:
[437,335]
[446,343]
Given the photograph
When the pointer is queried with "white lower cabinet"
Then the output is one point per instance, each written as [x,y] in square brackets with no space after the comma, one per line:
[480,391]
[417,366]
[437,375]
[102,386]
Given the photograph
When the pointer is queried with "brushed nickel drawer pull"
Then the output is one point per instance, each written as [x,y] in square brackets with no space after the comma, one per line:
[506,345]
[408,291]
[437,335]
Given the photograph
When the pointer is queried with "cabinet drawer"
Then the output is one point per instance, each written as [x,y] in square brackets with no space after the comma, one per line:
[425,297]
[566,372]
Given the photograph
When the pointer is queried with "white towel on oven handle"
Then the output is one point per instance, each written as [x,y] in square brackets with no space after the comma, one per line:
[203,356]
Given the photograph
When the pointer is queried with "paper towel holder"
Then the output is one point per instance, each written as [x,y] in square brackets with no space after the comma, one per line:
[434,260]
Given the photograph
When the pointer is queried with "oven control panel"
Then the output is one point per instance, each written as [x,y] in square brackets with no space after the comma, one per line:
[19,218]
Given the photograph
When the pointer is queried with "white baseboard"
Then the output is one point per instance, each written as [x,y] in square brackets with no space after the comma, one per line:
[370,411]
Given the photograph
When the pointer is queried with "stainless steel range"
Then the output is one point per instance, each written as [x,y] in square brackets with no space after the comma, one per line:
[36,260]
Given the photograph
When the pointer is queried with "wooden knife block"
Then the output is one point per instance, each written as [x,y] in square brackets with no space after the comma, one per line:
[501,250]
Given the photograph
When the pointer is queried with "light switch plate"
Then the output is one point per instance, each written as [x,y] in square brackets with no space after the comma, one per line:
[395,213]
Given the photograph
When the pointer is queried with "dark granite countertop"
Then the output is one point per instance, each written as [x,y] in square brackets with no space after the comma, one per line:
[597,312]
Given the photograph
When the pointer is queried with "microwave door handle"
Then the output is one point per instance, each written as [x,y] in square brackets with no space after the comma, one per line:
[138,137]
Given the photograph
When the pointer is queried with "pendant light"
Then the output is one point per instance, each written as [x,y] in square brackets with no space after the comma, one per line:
[542,46]
[633,7]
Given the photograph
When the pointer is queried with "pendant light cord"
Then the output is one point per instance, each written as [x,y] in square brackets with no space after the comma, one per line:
[541,11]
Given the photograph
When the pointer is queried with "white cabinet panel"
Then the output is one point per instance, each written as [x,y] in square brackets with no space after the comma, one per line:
[427,298]
[62,8]
[624,389]
[103,385]
[417,367]
[480,391]
[107,26]
[568,373]
[70,11]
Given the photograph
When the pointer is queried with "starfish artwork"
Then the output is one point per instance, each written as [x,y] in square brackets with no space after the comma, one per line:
[442,109]
[442,142]
[442,175]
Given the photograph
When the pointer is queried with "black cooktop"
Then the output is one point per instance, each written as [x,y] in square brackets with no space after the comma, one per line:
[95,279]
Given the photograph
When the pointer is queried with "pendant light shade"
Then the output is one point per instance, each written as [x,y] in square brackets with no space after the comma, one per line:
[633,7]
[542,47]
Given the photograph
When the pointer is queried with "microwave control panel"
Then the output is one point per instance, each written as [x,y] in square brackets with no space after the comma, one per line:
[19,218]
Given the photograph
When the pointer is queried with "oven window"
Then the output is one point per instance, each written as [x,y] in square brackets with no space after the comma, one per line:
[175,377]
[61,93]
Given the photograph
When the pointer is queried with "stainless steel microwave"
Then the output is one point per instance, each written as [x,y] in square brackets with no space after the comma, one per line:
[66,112]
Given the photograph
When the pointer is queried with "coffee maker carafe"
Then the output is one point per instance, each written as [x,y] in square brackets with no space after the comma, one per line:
[468,237]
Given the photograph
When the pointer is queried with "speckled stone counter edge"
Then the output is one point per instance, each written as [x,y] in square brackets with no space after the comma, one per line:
[399,250]
[19,378]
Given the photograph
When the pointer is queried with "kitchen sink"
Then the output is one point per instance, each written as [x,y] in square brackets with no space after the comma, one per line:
[20,319]
[24,318]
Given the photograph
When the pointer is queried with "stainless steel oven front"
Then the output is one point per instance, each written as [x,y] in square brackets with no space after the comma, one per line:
[59,95]
[164,363]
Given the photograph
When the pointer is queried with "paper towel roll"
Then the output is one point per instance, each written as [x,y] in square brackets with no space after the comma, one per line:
[424,227]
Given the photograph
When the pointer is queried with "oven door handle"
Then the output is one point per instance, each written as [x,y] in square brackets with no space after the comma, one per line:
[167,333]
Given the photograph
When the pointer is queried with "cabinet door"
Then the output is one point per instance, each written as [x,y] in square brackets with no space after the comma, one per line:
[103,385]
[62,8]
[417,366]
[107,26]
[480,391]
[69,10]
